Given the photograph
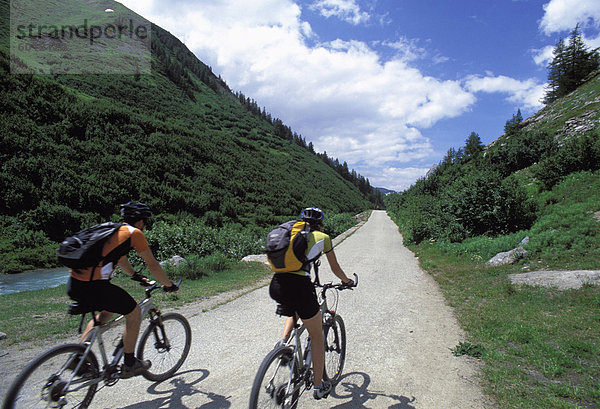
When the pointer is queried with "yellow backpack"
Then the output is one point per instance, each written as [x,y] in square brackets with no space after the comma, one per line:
[286,246]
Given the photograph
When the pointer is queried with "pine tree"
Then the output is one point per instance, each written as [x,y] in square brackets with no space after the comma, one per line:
[512,125]
[473,146]
[555,72]
[570,66]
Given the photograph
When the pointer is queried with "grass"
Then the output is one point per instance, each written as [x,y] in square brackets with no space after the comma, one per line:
[582,101]
[540,346]
[565,236]
[42,314]
[43,35]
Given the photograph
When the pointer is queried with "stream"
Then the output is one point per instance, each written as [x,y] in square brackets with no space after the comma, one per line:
[33,280]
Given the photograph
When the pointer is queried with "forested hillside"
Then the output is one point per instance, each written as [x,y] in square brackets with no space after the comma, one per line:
[540,179]
[73,147]
[532,197]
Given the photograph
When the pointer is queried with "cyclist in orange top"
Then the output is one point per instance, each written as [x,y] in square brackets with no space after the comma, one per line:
[92,286]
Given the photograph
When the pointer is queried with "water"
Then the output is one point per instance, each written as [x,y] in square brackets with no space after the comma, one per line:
[33,280]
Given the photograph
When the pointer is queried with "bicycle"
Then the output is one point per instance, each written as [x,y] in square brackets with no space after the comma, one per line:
[68,376]
[286,373]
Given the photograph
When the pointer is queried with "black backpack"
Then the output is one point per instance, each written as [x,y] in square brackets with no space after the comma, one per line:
[84,248]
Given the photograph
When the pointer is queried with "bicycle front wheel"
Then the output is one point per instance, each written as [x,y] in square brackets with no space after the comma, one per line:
[335,348]
[166,345]
[274,385]
[49,381]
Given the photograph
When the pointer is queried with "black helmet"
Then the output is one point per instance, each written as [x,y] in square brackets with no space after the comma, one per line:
[312,215]
[134,211]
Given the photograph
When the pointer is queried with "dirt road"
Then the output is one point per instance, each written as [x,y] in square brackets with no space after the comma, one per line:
[400,331]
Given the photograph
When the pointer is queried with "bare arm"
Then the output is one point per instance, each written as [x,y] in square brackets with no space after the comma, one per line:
[155,268]
[335,267]
[126,266]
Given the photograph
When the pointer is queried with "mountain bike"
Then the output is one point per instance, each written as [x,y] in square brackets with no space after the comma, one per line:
[68,376]
[286,372]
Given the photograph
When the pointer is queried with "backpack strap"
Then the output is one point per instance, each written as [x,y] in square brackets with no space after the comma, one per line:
[113,256]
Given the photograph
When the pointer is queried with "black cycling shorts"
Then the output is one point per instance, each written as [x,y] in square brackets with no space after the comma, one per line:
[295,294]
[101,295]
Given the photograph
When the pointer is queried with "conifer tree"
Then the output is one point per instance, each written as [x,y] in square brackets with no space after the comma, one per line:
[570,66]
[473,146]
[512,125]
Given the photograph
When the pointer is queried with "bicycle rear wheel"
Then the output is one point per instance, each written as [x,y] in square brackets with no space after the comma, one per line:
[335,348]
[166,345]
[46,381]
[272,387]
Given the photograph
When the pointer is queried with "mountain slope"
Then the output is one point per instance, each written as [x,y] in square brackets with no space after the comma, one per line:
[517,186]
[75,146]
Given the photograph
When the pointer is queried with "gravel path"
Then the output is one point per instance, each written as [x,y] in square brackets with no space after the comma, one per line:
[400,331]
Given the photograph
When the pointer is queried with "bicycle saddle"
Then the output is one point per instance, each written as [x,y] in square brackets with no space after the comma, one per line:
[76,308]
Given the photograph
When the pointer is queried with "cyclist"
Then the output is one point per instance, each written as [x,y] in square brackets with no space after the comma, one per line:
[296,296]
[92,287]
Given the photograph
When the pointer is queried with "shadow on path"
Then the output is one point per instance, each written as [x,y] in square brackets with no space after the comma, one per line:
[170,394]
[355,385]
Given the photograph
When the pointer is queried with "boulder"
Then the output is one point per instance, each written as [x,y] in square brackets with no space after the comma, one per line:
[174,261]
[508,257]
[261,258]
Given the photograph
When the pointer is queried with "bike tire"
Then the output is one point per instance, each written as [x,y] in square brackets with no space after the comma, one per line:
[166,345]
[334,332]
[270,383]
[40,384]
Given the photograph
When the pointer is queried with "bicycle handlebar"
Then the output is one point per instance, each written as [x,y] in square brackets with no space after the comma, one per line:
[153,285]
[340,286]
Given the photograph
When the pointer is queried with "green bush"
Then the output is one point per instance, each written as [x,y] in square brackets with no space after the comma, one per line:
[24,249]
[482,248]
[190,236]
[336,224]
[566,230]
[216,262]
[479,202]
[196,267]
[577,154]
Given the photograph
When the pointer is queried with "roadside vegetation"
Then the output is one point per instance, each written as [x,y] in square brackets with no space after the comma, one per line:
[540,345]
[541,180]
[212,266]
[74,147]
[41,315]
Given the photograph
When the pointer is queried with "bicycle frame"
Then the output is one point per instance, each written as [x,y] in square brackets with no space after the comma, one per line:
[68,375]
[294,341]
[285,373]
[108,372]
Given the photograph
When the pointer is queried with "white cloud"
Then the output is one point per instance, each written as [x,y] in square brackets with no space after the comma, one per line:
[346,10]
[592,43]
[338,95]
[526,94]
[561,15]
[407,50]
[544,56]
[405,177]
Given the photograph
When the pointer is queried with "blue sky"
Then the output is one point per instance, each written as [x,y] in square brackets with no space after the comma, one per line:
[386,85]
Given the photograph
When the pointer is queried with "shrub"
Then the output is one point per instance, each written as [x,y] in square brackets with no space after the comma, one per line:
[196,267]
[482,203]
[24,249]
[482,248]
[577,154]
[190,236]
[336,224]
[216,262]
[57,220]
